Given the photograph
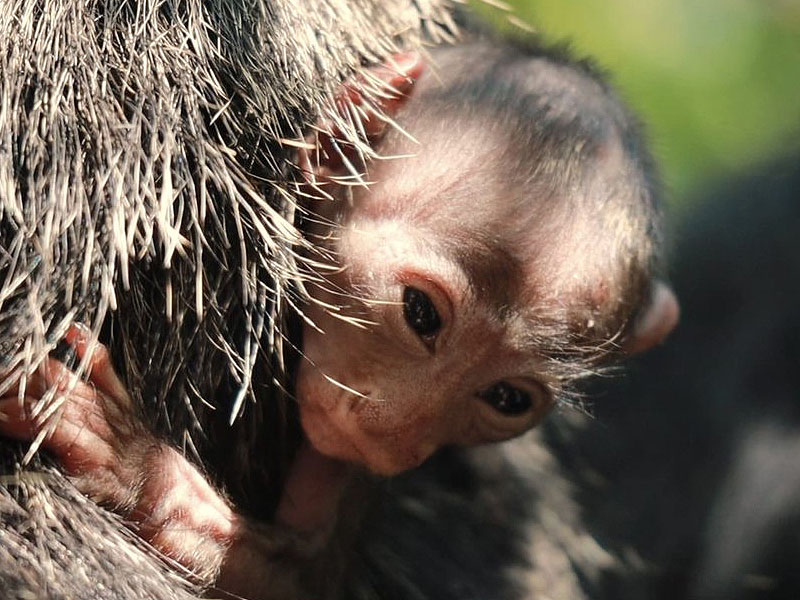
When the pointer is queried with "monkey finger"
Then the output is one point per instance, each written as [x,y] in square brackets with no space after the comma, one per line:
[77,434]
[50,375]
[17,384]
[73,427]
[101,371]
[15,421]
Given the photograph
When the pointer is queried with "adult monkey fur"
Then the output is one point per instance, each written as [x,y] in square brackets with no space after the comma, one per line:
[587,122]
[142,168]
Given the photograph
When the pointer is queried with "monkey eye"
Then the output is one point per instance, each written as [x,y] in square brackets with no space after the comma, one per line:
[420,313]
[507,399]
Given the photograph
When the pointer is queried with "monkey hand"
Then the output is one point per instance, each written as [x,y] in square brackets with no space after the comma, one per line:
[86,424]
[91,427]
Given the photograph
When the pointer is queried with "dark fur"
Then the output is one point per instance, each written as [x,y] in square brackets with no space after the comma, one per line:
[497,522]
[694,448]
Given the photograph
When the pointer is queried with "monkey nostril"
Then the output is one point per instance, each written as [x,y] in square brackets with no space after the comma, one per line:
[356,402]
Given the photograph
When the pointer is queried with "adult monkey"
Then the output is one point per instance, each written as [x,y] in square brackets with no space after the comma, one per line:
[143,167]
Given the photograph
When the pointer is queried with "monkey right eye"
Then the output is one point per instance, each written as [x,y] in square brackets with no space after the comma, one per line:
[420,313]
[507,399]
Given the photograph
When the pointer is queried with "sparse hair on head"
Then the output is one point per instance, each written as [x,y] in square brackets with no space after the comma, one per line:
[577,158]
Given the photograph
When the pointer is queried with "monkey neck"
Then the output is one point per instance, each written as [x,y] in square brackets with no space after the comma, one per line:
[312,491]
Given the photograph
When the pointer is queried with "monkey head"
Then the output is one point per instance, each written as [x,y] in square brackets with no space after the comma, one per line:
[436,324]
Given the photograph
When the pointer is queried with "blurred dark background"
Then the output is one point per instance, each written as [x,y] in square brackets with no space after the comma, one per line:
[688,471]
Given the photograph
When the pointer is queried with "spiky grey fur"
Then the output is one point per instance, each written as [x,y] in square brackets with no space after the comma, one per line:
[142,167]
[146,190]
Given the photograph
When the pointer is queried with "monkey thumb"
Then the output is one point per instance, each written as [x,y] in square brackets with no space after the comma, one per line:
[656,322]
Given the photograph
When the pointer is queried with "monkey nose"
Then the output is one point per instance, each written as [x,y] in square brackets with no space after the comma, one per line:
[357,402]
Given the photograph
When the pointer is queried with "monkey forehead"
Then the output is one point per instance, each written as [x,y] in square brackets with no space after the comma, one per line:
[532,86]
[518,244]
[446,168]
[371,248]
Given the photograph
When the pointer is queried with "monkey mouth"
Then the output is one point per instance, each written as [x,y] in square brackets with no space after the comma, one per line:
[328,435]
[337,435]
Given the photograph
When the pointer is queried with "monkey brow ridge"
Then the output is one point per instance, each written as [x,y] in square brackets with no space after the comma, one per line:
[492,271]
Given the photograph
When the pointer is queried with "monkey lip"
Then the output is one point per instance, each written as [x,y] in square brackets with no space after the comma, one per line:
[336,435]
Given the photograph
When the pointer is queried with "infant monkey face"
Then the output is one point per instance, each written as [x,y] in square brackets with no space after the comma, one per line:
[426,365]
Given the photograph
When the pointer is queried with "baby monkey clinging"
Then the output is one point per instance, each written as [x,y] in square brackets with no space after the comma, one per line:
[508,251]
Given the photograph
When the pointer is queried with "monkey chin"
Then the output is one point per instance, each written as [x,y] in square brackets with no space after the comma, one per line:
[338,436]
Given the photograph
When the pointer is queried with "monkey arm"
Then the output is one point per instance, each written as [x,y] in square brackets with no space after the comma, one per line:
[99,441]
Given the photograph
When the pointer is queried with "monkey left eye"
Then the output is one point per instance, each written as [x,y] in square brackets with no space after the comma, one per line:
[507,399]
[420,313]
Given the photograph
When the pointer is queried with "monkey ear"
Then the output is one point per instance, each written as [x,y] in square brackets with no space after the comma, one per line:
[656,321]
[392,84]
[367,105]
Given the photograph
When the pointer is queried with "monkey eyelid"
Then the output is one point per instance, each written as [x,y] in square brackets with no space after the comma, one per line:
[415,299]
[437,298]
[429,283]
[539,392]
[497,426]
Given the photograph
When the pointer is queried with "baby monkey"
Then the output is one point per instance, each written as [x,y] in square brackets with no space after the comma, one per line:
[506,252]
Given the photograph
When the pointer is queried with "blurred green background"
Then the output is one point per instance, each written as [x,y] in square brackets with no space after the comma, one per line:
[716,81]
